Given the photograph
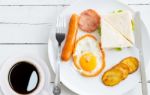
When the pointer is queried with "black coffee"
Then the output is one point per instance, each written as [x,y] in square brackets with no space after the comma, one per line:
[23,77]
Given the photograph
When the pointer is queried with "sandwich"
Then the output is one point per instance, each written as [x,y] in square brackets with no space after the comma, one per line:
[116,30]
[111,38]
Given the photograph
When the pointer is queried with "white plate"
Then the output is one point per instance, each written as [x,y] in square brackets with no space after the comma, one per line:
[93,86]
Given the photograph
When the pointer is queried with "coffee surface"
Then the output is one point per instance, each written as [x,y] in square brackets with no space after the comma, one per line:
[23,77]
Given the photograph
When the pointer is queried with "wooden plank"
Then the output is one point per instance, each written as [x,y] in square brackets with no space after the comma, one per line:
[58,2]
[136,2]
[45,14]
[35,2]
[20,33]
[29,14]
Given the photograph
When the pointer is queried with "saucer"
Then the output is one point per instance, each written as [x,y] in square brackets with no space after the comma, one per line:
[42,67]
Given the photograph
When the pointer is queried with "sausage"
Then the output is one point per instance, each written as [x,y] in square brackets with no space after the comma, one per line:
[89,20]
[71,37]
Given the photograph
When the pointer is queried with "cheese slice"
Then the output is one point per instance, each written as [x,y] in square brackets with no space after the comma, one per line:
[110,38]
[121,22]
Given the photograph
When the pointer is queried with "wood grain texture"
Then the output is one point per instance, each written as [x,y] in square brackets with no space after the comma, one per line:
[18,33]
[137,2]
[29,14]
[46,14]
[35,2]
[59,2]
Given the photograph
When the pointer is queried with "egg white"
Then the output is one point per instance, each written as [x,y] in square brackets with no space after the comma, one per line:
[88,44]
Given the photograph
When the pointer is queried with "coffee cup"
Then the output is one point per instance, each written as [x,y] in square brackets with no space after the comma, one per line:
[24,76]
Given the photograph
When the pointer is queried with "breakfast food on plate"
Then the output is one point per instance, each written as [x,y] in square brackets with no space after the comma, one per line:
[89,20]
[88,56]
[120,71]
[124,69]
[112,77]
[71,38]
[122,23]
[132,64]
[115,31]
[111,38]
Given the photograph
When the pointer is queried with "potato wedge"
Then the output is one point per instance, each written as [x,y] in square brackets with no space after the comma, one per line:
[122,68]
[132,63]
[112,77]
[120,71]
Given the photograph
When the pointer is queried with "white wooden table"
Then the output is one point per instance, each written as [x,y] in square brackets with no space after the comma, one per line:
[25,27]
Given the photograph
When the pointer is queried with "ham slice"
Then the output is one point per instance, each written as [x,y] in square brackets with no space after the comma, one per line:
[89,20]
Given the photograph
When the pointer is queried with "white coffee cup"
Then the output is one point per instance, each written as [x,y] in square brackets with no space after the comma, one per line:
[40,65]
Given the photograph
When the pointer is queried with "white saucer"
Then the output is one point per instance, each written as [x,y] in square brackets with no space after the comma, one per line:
[43,88]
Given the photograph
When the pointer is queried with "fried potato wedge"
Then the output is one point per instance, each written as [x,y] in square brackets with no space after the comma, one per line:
[120,71]
[122,68]
[132,63]
[112,77]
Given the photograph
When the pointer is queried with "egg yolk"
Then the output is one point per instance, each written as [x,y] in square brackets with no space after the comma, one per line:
[88,62]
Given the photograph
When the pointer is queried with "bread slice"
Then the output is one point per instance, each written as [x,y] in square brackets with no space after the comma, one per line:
[111,38]
[121,22]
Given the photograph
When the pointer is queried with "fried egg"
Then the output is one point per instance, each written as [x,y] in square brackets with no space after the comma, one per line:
[88,56]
